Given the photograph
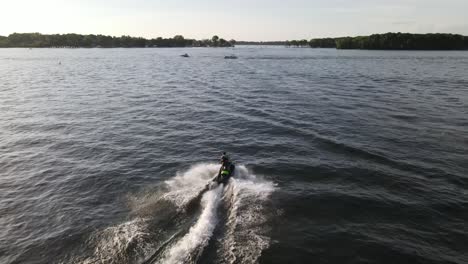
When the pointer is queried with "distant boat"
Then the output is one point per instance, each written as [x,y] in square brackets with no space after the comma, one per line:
[185,55]
[230,57]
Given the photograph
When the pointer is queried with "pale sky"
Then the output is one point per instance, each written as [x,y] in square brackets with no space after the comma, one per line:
[237,19]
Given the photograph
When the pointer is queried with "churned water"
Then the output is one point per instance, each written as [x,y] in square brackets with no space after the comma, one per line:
[342,156]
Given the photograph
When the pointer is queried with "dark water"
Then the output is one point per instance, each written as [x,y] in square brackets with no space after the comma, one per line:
[342,156]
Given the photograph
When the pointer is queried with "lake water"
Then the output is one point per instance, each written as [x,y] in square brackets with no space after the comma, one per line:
[342,156]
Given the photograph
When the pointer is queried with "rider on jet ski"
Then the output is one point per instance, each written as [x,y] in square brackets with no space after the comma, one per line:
[226,168]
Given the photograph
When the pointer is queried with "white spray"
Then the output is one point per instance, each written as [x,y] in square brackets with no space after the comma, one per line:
[199,234]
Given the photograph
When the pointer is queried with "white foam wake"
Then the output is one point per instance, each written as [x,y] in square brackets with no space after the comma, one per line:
[186,186]
[113,244]
[199,234]
[246,232]
[247,228]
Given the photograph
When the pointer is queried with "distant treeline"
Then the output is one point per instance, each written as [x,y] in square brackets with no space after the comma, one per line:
[37,40]
[262,43]
[390,41]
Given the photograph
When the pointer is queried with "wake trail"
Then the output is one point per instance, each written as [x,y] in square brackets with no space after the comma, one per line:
[158,217]
[191,245]
[247,228]
[245,233]
[187,186]
[176,221]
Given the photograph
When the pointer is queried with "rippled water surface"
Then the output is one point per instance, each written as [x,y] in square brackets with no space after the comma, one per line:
[342,156]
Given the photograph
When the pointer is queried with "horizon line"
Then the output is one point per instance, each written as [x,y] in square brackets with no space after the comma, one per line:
[353,36]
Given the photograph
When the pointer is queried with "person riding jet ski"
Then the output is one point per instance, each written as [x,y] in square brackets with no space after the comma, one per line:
[226,170]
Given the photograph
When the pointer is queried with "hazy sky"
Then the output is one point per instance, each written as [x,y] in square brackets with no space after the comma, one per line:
[238,19]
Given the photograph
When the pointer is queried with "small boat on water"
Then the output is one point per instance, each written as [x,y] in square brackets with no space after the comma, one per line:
[185,55]
[231,57]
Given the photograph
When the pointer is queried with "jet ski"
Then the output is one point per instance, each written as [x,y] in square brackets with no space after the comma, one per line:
[185,55]
[225,172]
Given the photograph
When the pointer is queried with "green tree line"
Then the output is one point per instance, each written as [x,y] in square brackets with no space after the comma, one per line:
[37,40]
[297,43]
[262,43]
[388,41]
[395,41]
